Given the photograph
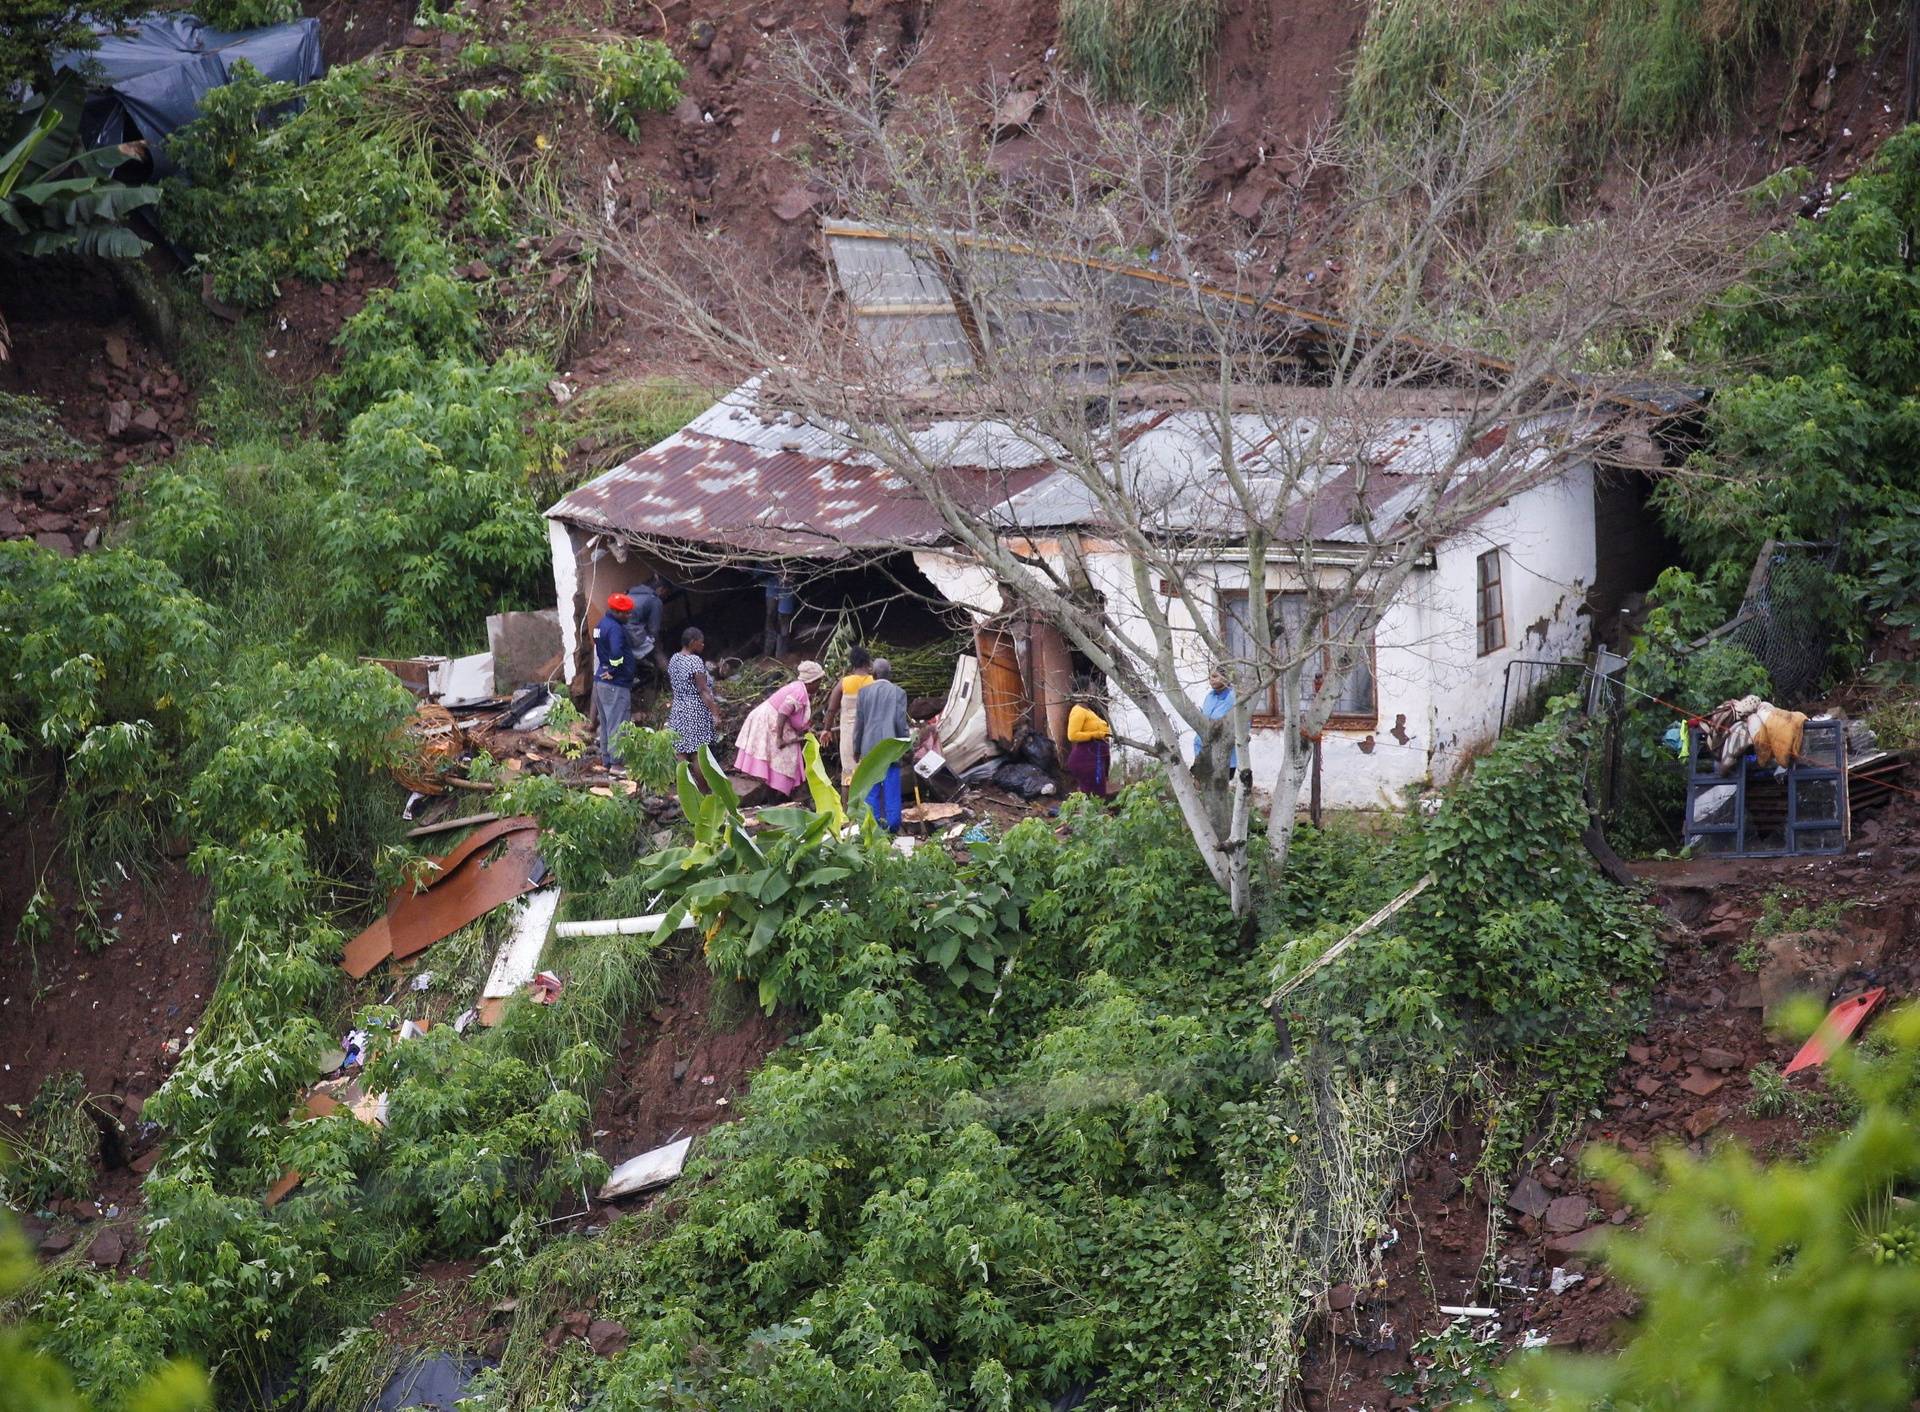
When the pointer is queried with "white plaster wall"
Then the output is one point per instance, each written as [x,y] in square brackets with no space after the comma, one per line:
[1438,700]
[563,541]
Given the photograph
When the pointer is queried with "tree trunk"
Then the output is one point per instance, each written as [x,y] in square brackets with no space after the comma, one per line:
[1284,809]
[1225,853]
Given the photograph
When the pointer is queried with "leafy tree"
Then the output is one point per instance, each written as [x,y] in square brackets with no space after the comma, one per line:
[34,31]
[1820,439]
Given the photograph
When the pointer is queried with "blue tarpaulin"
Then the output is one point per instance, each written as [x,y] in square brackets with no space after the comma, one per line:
[147,79]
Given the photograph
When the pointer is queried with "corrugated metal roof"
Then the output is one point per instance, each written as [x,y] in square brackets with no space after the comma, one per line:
[775,485]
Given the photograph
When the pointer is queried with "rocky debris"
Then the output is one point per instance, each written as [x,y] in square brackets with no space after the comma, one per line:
[607,1338]
[1529,1198]
[1567,1213]
[107,1249]
[795,202]
[1814,963]
[1014,113]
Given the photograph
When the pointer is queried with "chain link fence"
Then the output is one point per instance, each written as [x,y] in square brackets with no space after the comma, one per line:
[1786,614]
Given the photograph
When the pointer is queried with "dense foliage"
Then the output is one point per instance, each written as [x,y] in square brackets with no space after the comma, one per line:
[1818,439]
[33,31]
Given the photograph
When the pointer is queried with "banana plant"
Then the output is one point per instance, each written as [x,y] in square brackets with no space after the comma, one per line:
[55,198]
[751,878]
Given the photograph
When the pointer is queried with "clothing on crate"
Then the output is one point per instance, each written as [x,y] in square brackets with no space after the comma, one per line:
[1775,737]
[850,686]
[689,719]
[769,745]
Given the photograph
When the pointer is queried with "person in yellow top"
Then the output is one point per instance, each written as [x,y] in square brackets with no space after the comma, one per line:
[841,700]
[1088,734]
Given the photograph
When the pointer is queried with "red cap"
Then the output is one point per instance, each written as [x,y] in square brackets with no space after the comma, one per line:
[620,603]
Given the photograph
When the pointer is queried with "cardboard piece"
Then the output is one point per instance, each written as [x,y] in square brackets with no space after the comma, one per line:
[648,1170]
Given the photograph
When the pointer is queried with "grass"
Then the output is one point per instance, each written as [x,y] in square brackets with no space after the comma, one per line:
[1141,51]
[616,419]
[1636,72]
[51,1150]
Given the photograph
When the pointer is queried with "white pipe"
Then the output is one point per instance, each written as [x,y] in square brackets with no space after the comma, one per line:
[621,926]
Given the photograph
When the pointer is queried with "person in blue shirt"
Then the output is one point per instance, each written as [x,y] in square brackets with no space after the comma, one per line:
[782,604]
[613,666]
[1215,705]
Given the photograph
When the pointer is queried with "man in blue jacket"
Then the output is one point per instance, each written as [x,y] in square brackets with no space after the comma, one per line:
[613,667]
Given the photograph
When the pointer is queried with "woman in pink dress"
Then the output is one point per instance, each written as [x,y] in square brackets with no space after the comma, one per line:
[768,746]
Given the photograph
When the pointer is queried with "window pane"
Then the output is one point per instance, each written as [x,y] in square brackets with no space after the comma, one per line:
[1356,692]
[1234,627]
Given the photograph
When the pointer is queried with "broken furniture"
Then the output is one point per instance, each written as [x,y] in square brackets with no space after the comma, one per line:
[497,863]
[1771,811]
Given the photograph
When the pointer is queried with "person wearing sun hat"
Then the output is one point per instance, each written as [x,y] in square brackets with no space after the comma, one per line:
[771,741]
[613,667]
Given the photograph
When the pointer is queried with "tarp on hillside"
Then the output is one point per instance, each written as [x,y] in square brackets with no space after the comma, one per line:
[147,80]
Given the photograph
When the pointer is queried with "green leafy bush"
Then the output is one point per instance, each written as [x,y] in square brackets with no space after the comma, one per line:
[246,14]
[1819,441]
[263,196]
[632,78]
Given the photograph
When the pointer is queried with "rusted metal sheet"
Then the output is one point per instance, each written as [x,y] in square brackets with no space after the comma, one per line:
[1052,672]
[465,886]
[1002,691]
[806,498]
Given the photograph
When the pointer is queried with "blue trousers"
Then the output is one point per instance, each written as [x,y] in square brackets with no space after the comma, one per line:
[884,800]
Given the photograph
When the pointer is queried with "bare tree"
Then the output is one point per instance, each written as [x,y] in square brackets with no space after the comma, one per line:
[1089,292]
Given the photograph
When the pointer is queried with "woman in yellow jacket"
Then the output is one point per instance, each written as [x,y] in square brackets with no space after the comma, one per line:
[1089,755]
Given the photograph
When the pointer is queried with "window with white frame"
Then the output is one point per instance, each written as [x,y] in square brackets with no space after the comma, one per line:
[1490,613]
[1356,703]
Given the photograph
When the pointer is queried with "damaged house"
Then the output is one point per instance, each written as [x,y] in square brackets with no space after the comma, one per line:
[1547,533]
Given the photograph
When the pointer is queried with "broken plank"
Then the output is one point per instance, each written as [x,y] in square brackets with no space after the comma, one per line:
[449,825]
[519,955]
[621,926]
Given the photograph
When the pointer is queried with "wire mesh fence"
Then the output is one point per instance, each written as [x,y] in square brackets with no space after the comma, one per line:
[1786,614]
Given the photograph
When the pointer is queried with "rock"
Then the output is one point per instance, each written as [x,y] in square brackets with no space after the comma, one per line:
[1639,1053]
[107,1249]
[1340,1297]
[1647,1086]
[689,114]
[119,418]
[10,525]
[680,1070]
[1247,199]
[1701,1084]
[1014,112]
[53,1242]
[1702,1122]
[1529,1197]
[1720,1059]
[117,351]
[1567,1213]
[59,543]
[1810,963]
[145,425]
[766,19]
[720,59]
[573,1324]
[795,202]
[1577,1242]
[700,35]
[607,1338]
[214,304]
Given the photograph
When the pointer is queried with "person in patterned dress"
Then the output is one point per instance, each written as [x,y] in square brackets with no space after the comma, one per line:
[694,710]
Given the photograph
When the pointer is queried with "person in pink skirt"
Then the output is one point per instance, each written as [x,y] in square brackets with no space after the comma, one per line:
[768,746]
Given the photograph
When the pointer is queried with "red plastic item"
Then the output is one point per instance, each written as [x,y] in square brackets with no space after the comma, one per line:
[1836,1029]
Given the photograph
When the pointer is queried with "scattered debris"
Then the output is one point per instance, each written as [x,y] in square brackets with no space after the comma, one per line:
[449,825]
[519,955]
[1836,1029]
[648,1170]
[466,885]
[544,988]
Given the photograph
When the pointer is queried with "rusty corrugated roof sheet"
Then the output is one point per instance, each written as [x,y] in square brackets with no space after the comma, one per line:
[746,491]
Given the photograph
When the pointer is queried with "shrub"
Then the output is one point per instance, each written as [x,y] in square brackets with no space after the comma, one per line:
[632,78]
[263,196]
[246,14]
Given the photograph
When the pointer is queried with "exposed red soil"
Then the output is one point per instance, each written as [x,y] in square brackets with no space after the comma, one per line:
[1706,1031]
[107,1014]
[679,1071]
